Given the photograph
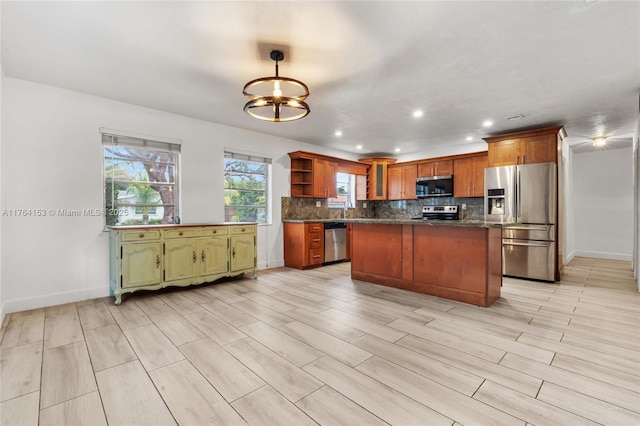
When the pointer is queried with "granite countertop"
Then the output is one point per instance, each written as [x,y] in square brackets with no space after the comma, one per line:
[459,223]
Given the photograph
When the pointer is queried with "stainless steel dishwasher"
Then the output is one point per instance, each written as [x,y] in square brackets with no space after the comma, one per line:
[335,241]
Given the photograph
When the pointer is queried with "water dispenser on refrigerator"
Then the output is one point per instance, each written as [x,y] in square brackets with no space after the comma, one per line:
[496,201]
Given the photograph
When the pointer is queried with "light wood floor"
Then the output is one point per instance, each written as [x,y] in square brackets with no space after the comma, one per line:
[296,348]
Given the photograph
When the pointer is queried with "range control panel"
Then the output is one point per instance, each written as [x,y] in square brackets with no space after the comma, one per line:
[440,209]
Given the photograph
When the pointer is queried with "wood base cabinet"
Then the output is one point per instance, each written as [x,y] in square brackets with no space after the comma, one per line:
[156,257]
[303,244]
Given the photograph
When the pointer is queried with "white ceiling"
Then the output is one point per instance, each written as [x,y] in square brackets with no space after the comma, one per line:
[368,65]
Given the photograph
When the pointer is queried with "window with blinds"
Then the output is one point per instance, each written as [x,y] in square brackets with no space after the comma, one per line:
[140,181]
[246,188]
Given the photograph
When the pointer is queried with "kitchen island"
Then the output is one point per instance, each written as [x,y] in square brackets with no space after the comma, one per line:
[458,260]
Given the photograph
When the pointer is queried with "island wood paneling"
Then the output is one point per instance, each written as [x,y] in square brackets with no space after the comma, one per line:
[459,263]
[377,249]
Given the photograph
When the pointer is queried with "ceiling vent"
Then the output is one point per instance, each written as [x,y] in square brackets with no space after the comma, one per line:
[515,117]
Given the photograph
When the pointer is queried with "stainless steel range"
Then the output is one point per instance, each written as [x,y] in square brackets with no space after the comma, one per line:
[440,213]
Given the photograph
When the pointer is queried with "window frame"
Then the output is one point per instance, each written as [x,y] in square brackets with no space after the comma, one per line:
[233,154]
[141,143]
[333,203]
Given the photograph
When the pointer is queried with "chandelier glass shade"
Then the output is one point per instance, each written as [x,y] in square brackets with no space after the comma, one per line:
[276,98]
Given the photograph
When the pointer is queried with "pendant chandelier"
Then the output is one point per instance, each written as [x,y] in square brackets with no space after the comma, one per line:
[276,98]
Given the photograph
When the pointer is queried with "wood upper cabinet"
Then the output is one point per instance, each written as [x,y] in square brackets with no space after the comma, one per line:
[468,176]
[324,178]
[377,176]
[401,181]
[301,176]
[435,168]
[535,146]
[314,175]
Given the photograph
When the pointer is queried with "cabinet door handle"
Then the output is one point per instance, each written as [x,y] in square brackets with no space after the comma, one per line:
[195,257]
[202,256]
[517,159]
[233,252]
[157,261]
[141,235]
[524,159]
[181,233]
[315,240]
[316,256]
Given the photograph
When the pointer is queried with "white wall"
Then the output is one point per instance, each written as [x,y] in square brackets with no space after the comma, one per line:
[52,157]
[2,307]
[636,199]
[569,240]
[603,203]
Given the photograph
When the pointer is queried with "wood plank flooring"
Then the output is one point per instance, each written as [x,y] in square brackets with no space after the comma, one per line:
[315,347]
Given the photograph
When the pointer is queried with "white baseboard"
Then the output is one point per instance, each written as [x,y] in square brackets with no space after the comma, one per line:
[569,257]
[272,264]
[603,255]
[54,299]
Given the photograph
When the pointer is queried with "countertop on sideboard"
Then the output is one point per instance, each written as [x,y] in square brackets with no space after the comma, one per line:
[422,222]
[178,225]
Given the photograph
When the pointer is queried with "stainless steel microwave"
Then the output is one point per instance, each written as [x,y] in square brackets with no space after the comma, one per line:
[434,186]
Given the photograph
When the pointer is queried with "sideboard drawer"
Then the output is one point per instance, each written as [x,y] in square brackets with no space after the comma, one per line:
[183,232]
[215,231]
[141,235]
[243,229]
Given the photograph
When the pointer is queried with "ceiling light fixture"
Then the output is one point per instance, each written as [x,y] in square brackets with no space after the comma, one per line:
[397,150]
[488,123]
[599,141]
[418,114]
[359,147]
[276,98]
[338,133]
[469,138]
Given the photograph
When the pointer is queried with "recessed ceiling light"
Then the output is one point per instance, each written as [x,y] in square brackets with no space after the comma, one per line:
[418,113]
[487,123]
[469,138]
[338,133]
[599,141]
[397,149]
[359,147]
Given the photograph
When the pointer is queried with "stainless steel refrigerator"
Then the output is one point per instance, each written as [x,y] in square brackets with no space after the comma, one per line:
[523,198]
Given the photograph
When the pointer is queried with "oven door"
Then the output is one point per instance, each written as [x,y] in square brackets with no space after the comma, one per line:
[529,259]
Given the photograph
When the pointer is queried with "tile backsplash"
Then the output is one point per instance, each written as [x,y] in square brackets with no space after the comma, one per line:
[305,208]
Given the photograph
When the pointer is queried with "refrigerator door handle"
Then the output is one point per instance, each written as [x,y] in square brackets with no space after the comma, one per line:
[527,228]
[515,195]
[518,196]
